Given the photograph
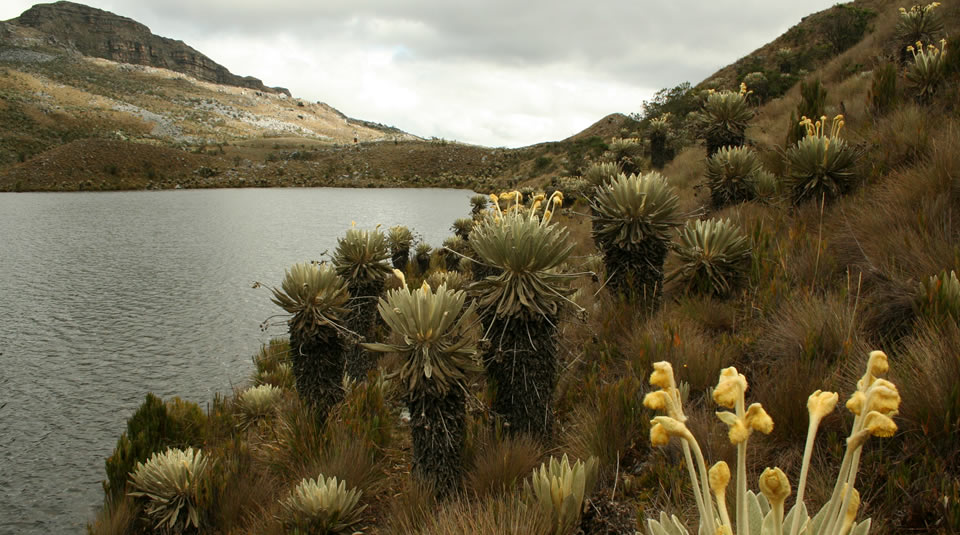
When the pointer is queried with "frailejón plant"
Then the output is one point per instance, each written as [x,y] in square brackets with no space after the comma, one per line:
[170,484]
[322,506]
[714,254]
[361,259]
[928,70]
[437,357]
[558,489]
[731,174]
[400,239]
[519,307]
[821,164]
[316,297]
[633,217]
[257,403]
[723,118]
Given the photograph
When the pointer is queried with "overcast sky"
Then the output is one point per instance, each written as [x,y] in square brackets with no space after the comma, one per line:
[494,73]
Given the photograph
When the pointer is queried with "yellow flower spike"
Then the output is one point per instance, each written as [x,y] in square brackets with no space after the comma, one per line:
[820,404]
[662,375]
[879,425]
[758,419]
[353,223]
[657,401]
[855,403]
[673,427]
[659,435]
[883,399]
[494,198]
[775,486]
[719,476]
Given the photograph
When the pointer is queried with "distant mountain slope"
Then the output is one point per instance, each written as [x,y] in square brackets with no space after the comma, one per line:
[101,34]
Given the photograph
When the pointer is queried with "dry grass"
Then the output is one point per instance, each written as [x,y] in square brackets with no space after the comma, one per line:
[500,465]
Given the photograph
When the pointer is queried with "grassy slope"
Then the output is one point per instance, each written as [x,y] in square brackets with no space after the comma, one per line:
[828,284]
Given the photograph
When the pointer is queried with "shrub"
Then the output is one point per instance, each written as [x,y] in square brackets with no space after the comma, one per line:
[151,429]
[928,70]
[731,173]
[610,428]
[170,482]
[873,404]
[659,132]
[322,506]
[821,164]
[558,490]
[723,119]
[845,26]
[715,257]
[813,101]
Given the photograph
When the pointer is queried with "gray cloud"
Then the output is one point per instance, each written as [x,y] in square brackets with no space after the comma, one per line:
[493,72]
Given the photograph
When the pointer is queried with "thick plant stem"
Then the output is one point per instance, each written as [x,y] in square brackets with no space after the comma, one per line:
[743,526]
[695,483]
[704,477]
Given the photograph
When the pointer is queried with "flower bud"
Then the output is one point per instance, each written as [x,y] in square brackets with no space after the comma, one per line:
[659,435]
[774,486]
[673,427]
[719,476]
[657,401]
[820,404]
[738,432]
[662,375]
[879,425]
[758,419]
[730,388]
[855,403]
[878,364]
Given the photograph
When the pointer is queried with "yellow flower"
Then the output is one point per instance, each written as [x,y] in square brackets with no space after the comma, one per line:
[878,364]
[657,401]
[856,401]
[659,435]
[662,375]
[719,476]
[879,425]
[820,404]
[775,486]
[494,199]
[883,397]
[758,419]
[730,388]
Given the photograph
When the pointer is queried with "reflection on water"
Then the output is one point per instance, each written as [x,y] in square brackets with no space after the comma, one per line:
[107,296]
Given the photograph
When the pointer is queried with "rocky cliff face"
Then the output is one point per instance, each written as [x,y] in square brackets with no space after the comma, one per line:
[98,33]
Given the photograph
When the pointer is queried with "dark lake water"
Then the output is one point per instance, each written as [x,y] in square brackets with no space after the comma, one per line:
[107,296]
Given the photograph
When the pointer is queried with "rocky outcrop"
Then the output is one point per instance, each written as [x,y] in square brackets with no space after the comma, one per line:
[97,33]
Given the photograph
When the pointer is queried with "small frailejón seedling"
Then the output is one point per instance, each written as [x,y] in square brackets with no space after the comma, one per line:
[257,403]
[316,297]
[821,164]
[558,489]
[724,117]
[520,306]
[939,296]
[322,506]
[170,484]
[715,256]
[928,70]
[633,218]
[874,404]
[361,259]
[437,356]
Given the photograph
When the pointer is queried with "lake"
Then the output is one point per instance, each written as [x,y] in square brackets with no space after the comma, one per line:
[107,296]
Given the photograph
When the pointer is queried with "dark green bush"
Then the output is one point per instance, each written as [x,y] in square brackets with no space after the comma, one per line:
[154,427]
[883,89]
